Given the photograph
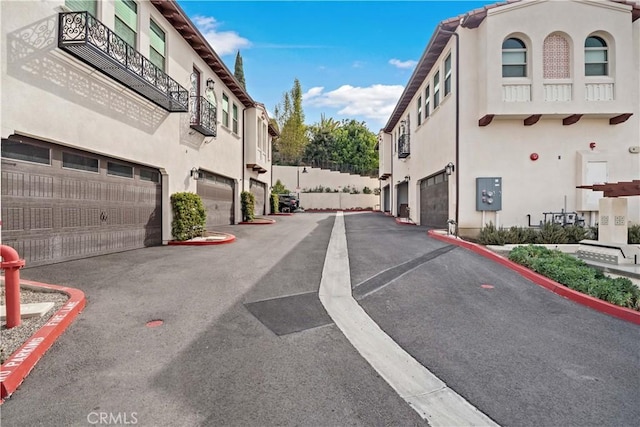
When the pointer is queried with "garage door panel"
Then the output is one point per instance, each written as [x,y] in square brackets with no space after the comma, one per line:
[217,194]
[258,189]
[434,201]
[53,214]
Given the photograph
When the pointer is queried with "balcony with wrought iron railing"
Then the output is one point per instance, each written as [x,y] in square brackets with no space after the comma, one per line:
[203,116]
[403,146]
[86,38]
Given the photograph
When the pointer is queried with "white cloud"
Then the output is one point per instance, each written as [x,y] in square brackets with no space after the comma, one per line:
[374,102]
[403,64]
[223,42]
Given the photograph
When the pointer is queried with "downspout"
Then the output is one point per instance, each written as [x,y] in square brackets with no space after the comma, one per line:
[244,148]
[457,143]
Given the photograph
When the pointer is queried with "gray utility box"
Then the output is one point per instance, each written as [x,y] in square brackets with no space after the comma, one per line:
[489,194]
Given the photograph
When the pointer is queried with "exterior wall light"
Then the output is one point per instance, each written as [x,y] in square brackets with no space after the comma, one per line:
[210,84]
[449,168]
[195,174]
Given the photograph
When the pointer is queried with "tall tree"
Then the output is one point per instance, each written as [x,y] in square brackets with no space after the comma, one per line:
[322,138]
[355,145]
[293,132]
[238,72]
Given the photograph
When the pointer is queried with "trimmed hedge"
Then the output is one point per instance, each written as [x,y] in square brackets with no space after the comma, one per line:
[248,202]
[275,203]
[189,216]
[576,274]
[549,233]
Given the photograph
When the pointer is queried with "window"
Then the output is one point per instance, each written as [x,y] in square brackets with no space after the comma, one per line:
[595,57]
[235,118]
[225,110]
[119,170]
[419,110]
[83,163]
[157,48]
[447,75]
[126,24]
[436,90]
[556,57]
[259,125]
[148,175]
[514,58]
[29,153]
[82,6]
[427,97]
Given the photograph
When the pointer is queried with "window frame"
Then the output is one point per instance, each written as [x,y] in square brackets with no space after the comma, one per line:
[427,103]
[117,19]
[419,110]
[66,153]
[25,158]
[109,173]
[604,49]
[152,49]
[436,90]
[225,110]
[447,75]
[234,118]
[522,66]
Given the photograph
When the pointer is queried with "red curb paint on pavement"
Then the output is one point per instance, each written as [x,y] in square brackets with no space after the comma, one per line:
[486,286]
[401,222]
[154,323]
[230,238]
[623,313]
[16,368]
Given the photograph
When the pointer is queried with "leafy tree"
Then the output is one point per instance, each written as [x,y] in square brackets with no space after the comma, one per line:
[238,72]
[279,188]
[355,145]
[322,140]
[293,133]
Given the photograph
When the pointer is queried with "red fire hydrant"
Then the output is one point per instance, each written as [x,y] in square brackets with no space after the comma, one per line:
[11,264]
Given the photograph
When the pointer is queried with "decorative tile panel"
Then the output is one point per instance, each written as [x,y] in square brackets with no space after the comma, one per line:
[556,57]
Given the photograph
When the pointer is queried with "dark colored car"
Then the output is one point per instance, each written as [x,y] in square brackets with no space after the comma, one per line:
[288,202]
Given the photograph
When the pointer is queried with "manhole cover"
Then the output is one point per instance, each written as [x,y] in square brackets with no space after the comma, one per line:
[154,323]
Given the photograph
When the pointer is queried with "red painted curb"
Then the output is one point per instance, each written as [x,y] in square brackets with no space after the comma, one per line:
[230,238]
[16,368]
[623,313]
[400,222]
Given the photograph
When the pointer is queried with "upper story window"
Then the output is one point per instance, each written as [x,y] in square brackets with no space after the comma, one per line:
[427,98]
[82,6]
[235,119]
[436,90]
[259,126]
[596,58]
[447,75]
[157,48]
[556,57]
[419,110]
[225,110]
[514,58]
[126,25]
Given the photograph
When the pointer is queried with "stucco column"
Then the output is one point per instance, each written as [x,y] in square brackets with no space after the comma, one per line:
[612,227]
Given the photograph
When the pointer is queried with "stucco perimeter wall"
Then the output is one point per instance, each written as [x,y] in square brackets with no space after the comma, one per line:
[296,181]
[338,201]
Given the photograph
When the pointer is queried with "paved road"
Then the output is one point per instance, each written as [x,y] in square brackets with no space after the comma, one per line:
[245,341]
[519,353]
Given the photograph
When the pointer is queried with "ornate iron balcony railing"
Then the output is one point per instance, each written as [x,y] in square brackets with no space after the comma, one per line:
[403,146]
[203,116]
[89,40]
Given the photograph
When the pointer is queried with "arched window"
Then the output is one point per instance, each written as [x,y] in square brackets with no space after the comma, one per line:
[514,58]
[596,57]
[556,57]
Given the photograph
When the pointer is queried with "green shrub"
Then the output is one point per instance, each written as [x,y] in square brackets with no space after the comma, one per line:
[329,190]
[575,233]
[551,233]
[275,203]
[634,234]
[594,232]
[189,216]
[576,274]
[248,202]
[279,188]
[490,235]
[355,191]
[521,235]
[366,190]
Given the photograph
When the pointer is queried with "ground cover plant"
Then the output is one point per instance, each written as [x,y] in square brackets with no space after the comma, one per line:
[548,233]
[576,274]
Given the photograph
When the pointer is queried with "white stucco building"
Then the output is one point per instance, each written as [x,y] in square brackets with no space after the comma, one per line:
[510,108]
[108,108]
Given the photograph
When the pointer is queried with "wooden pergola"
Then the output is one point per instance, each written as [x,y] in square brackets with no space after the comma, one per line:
[616,189]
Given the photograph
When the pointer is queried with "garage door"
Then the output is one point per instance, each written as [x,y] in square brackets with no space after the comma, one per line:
[434,201]
[259,189]
[217,193]
[60,204]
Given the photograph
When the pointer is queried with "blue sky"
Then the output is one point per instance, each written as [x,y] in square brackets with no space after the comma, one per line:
[352,58]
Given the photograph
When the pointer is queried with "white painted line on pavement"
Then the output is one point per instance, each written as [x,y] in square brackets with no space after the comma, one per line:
[426,393]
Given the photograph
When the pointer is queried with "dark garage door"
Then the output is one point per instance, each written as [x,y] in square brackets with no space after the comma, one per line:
[259,189]
[217,195]
[60,204]
[434,201]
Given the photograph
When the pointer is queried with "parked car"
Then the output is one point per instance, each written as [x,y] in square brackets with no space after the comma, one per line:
[288,202]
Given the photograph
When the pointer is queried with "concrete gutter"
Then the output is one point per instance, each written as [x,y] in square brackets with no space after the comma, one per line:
[430,397]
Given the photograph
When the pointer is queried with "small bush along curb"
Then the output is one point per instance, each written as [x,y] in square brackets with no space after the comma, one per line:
[275,203]
[248,202]
[577,275]
[189,216]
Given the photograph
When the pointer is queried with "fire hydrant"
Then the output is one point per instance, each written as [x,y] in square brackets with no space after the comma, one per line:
[11,264]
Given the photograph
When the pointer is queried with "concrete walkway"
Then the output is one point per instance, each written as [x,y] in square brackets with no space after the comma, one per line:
[427,394]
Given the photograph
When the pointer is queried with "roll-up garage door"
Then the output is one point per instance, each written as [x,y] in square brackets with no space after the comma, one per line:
[60,204]
[259,190]
[217,193]
[434,201]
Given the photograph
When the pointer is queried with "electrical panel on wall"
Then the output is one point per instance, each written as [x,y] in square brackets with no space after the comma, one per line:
[489,194]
